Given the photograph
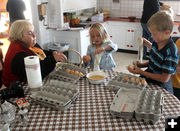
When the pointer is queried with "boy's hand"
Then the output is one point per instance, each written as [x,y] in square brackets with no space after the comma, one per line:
[86,59]
[135,70]
[137,63]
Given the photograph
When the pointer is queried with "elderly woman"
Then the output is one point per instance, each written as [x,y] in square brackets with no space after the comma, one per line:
[23,44]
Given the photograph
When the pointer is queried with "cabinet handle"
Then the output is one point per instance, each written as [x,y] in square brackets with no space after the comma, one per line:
[129,30]
[131,45]
[111,36]
[132,30]
[127,45]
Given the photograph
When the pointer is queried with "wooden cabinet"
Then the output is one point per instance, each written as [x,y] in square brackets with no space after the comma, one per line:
[3,5]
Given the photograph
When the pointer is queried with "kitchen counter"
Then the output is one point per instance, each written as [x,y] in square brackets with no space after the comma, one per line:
[124,19]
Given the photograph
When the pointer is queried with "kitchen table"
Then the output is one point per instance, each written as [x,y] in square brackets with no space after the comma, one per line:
[91,111]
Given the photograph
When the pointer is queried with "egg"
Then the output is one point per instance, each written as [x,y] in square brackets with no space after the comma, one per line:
[132,80]
[80,74]
[71,72]
[143,82]
[68,70]
[131,67]
[126,79]
[76,73]
[137,81]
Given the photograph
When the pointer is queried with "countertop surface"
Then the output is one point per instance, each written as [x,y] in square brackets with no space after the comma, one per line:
[124,19]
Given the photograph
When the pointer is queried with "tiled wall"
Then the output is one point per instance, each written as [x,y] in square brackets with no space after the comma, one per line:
[131,7]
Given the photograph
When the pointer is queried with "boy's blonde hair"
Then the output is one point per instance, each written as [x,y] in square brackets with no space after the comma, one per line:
[102,31]
[161,21]
[17,29]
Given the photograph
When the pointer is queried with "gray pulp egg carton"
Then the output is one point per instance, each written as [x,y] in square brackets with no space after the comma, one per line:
[64,66]
[67,72]
[124,103]
[123,80]
[149,106]
[143,105]
[57,94]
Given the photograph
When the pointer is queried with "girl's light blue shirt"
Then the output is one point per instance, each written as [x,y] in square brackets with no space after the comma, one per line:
[107,61]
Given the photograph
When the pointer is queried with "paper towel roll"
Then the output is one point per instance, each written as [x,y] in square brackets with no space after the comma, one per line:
[33,71]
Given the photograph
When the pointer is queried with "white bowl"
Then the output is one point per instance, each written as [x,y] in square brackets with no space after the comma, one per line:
[98,81]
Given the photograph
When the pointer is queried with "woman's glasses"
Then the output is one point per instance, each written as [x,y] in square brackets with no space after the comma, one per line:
[32,34]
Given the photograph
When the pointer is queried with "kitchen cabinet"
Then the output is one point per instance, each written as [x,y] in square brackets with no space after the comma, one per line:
[77,40]
[75,5]
[56,9]
[125,34]
[175,32]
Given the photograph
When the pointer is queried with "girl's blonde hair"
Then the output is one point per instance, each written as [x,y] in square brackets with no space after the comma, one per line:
[161,21]
[102,31]
[17,29]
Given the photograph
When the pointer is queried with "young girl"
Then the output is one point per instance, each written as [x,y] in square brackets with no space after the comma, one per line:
[100,43]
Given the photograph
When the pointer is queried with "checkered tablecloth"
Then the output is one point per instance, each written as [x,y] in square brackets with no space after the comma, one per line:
[91,112]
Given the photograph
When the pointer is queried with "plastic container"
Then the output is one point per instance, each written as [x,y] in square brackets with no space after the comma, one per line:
[58,46]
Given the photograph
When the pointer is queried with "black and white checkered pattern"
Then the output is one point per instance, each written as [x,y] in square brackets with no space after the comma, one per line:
[91,112]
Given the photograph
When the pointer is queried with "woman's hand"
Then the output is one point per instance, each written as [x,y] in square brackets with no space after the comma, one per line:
[86,59]
[59,57]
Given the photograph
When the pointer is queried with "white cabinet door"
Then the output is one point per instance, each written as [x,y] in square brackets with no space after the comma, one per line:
[125,34]
[85,41]
[175,32]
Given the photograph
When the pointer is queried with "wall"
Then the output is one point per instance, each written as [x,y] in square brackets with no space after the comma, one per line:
[131,7]
[42,34]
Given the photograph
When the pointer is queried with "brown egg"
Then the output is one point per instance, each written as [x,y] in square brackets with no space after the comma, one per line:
[126,79]
[80,74]
[137,81]
[68,70]
[71,72]
[132,80]
[131,67]
[143,82]
[76,73]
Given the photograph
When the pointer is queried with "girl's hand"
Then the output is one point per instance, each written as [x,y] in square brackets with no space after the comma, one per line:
[59,57]
[86,59]
[99,50]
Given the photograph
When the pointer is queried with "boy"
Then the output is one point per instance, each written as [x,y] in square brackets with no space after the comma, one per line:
[176,77]
[163,54]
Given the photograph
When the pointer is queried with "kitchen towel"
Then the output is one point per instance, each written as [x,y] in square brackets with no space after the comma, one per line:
[33,71]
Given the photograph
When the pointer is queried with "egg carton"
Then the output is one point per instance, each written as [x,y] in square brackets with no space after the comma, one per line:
[142,105]
[57,94]
[123,80]
[124,103]
[72,67]
[150,106]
